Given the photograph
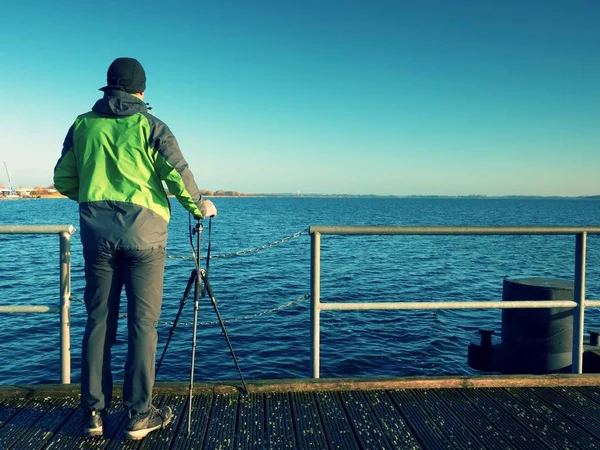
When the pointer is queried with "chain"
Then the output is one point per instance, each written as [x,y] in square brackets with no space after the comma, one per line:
[249,250]
[229,255]
[237,319]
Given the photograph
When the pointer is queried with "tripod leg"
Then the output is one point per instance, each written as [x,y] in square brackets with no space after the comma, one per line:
[186,293]
[214,302]
[196,308]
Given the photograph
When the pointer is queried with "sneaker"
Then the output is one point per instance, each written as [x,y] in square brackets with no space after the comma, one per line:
[92,422]
[139,425]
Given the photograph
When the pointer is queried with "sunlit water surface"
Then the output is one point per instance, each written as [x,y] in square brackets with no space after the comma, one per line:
[272,341]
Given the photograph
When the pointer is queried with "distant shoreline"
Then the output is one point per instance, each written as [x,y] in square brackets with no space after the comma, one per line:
[432,197]
[51,192]
[467,197]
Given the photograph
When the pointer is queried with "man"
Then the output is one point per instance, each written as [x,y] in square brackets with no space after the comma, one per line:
[113,163]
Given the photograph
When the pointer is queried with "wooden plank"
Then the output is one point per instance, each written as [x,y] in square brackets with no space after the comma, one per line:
[365,424]
[386,383]
[562,417]
[201,410]
[582,410]
[592,392]
[506,425]
[336,426]
[32,391]
[280,426]
[558,422]
[529,418]
[452,427]
[309,429]
[70,434]
[324,384]
[42,430]
[477,423]
[423,427]
[250,422]
[221,426]
[9,407]
[455,430]
[392,424]
[19,423]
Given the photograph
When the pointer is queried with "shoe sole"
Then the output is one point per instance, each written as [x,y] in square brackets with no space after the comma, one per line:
[90,432]
[140,434]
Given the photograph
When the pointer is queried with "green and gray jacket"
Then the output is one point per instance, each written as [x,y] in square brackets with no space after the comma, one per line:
[113,163]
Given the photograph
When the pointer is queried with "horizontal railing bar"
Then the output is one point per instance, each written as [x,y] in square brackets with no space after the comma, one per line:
[36,229]
[592,303]
[17,309]
[373,230]
[525,304]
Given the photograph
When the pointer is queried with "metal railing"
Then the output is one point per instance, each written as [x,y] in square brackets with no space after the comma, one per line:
[64,232]
[578,304]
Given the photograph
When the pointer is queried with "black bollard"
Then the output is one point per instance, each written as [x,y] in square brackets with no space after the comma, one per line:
[538,340]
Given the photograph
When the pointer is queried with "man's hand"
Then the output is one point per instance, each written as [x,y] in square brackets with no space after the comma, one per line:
[210,209]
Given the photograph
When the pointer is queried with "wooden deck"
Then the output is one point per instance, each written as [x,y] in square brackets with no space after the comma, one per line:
[546,413]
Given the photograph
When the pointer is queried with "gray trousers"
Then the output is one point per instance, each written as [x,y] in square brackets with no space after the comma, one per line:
[106,272]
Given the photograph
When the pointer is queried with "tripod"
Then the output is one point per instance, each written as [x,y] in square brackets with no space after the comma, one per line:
[199,281]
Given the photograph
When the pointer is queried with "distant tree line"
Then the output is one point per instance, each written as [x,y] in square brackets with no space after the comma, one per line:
[221,193]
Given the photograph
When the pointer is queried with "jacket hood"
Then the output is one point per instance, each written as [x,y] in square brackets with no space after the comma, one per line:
[116,103]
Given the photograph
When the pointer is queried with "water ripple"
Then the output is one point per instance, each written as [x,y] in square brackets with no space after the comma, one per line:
[354,269]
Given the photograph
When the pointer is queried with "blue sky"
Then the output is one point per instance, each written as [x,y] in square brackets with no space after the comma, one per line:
[361,97]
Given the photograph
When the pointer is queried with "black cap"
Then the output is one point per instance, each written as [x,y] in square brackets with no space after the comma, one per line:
[125,74]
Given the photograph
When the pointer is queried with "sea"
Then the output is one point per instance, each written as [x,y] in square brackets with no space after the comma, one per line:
[260,275]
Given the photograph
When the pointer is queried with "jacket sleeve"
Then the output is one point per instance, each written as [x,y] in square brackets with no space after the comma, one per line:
[66,176]
[173,169]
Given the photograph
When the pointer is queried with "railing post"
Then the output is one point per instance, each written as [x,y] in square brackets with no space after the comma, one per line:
[315,302]
[579,298]
[65,307]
